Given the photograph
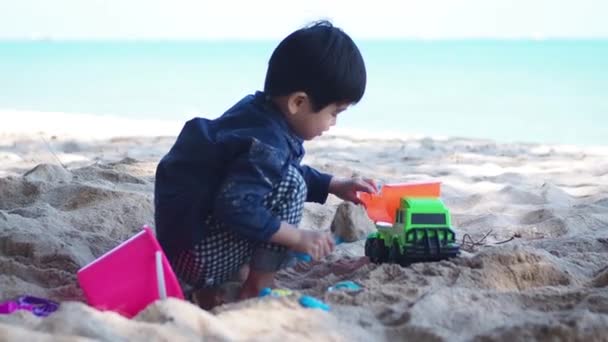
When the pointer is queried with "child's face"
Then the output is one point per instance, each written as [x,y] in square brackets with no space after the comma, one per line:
[309,124]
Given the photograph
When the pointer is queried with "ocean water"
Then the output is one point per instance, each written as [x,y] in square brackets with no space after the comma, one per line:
[553,91]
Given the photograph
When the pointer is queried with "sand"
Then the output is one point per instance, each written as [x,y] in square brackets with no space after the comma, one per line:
[534,263]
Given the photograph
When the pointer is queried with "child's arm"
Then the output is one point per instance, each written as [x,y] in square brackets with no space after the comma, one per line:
[315,244]
[317,183]
[320,184]
[347,188]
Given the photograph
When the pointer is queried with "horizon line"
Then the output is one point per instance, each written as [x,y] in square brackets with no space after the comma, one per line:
[269,39]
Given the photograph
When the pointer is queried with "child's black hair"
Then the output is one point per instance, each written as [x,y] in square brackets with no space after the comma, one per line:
[320,60]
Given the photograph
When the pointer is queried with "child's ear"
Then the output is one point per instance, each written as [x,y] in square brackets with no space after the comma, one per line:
[297,101]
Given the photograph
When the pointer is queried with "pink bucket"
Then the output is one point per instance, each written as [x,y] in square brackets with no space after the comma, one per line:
[129,277]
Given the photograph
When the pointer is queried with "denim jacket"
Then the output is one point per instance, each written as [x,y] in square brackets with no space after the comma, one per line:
[224,168]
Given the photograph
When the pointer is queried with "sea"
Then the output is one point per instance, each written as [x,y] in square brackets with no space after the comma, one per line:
[537,91]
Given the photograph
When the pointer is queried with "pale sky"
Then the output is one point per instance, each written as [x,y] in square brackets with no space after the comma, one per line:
[273,19]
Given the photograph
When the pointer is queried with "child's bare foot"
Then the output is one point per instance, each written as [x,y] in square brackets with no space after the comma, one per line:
[255,282]
[245,284]
[207,299]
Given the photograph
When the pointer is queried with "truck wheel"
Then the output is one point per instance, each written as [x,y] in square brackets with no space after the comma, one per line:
[382,251]
[368,247]
[371,250]
[394,254]
[375,250]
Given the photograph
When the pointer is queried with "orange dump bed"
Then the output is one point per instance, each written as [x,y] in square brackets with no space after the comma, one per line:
[382,207]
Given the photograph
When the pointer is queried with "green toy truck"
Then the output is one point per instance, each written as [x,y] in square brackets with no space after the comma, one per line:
[422,231]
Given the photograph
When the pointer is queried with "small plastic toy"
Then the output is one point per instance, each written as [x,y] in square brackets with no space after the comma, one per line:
[304,300]
[313,303]
[267,291]
[413,224]
[346,285]
[38,306]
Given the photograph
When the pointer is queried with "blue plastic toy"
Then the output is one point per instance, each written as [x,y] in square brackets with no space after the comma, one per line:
[313,303]
[346,285]
[305,301]
[267,291]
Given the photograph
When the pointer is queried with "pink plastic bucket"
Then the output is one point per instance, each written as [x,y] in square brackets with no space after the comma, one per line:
[129,277]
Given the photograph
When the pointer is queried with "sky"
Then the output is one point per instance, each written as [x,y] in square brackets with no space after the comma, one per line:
[272,19]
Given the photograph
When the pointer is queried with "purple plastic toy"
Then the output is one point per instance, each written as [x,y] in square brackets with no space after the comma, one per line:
[38,306]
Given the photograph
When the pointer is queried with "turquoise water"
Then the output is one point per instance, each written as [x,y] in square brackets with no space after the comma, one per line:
[536,91]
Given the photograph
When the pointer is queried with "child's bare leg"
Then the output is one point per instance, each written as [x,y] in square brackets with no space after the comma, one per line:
[243,273]
[266,261]
[256,281]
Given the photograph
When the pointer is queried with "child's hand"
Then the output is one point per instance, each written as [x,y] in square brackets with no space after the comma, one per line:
[315,244]
[347,188]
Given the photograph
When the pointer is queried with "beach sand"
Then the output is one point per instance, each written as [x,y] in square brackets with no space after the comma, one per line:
[534,264]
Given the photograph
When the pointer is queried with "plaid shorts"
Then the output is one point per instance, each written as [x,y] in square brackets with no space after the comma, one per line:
[220,255]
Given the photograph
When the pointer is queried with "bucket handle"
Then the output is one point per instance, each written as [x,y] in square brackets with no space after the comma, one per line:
[160,276]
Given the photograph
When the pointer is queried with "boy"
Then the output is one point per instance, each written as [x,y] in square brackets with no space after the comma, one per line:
[230,192]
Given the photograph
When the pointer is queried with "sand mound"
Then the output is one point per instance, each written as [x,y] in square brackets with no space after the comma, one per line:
[578,327]
[48,173]
[351,222]
[173,320]
[601,280]
[517,269]
[54,221]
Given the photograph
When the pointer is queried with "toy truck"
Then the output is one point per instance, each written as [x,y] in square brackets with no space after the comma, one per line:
[413,225]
